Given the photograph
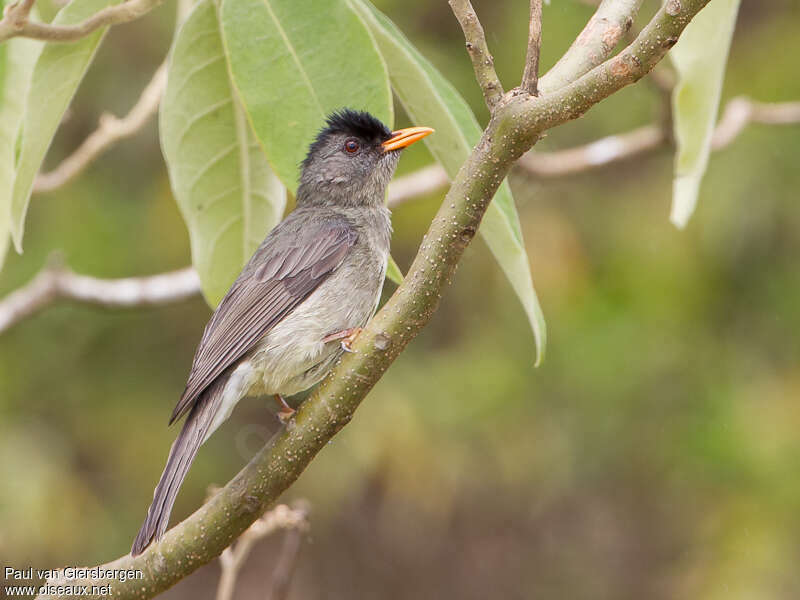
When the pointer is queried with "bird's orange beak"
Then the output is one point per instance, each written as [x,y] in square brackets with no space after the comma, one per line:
[405,137]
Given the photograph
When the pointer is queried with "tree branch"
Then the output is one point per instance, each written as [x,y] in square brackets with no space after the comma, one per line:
[15,16]
[482,60]
[287,560]
[530,77]
[56,282]
[294,520]
[601,152]
[111,130]
[517,122]
[16,23]
[426,180]
[741,111]
[738,113]
[594,44]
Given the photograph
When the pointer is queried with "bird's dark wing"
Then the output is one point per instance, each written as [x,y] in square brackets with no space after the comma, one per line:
[289,265]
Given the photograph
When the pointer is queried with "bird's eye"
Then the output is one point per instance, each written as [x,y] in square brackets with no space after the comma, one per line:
[351,146]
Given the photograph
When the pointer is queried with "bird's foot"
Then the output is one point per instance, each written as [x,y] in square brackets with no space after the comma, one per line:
[286,412]
[348,336]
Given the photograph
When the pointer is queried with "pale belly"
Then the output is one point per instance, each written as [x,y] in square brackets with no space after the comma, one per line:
[292,356]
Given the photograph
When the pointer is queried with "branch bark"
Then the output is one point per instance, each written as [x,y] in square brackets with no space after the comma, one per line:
[426,180]
[479,54]
[517,122]
[110,131]
[294,520]
[738,113]
[595,43]
[16,23]
[530,77]
[55,282]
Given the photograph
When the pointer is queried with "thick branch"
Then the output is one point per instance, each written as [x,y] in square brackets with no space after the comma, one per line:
[55,283]
[15,22]
[482,60]
[110,131]
[515,125]
[530,77]
[594,44]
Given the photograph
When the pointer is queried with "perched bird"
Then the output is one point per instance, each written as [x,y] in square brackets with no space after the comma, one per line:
[301,299]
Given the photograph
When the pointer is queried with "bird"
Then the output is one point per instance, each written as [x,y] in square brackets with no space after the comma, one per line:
[300,300]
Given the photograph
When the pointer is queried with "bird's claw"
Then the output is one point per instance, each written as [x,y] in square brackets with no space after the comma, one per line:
[286,412]
[348,336]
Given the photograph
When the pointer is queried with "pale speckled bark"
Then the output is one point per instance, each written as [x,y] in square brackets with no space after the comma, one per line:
[594,44]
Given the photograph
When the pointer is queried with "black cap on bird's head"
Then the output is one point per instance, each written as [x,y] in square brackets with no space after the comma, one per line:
[352,159]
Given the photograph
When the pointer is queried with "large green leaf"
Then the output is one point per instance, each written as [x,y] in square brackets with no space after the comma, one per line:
[700,57]
[432,101]
[17,58]
[56,76]
[295,61]
[227,193]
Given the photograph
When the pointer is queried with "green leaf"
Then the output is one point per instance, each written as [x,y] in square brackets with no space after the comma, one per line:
[17,58]
[294,62]
[432,101]
[226,191]
[699,57]
[56,76]
[393,272]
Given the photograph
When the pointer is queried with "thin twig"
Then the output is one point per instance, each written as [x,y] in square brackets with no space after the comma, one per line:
[16,23]
[604,151]
[741,111]
[482,60]
[56,282]
[111,130]
[284,568]
[426,180]
[530,77]
[738,113]
[15,16]
[294,520]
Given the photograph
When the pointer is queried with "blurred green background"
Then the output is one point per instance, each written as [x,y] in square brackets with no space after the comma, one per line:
[655,454]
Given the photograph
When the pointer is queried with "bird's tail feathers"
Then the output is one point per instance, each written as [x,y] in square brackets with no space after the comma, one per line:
[181,455]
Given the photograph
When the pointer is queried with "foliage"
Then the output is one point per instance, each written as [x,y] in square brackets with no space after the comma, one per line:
[58,72]
[700,57]
[227,192]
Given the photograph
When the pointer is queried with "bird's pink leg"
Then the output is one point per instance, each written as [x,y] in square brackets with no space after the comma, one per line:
[286,411]
[348,336]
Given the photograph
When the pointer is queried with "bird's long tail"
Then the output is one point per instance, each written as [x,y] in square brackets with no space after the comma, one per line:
[194,432]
